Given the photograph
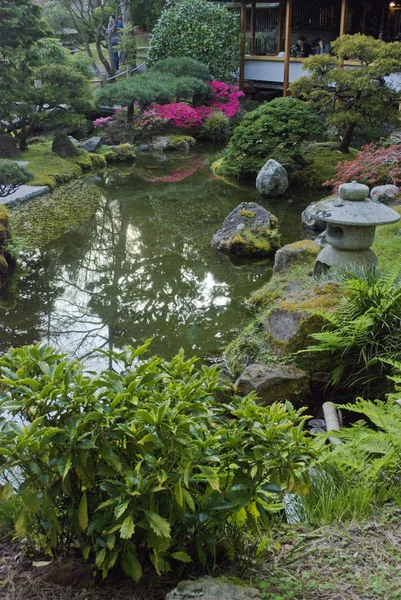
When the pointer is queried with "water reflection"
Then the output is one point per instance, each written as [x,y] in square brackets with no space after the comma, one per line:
[141,266]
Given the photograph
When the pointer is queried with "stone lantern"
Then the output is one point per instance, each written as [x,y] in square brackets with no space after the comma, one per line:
[351,223]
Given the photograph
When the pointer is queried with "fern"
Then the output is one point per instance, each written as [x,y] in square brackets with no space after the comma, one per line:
[363,336]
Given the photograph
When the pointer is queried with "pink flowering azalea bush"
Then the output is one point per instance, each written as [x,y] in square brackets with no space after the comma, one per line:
[182,115]
[374,165]
[101,122]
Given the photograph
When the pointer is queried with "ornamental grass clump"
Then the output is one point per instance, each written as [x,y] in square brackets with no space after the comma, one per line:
[140,465]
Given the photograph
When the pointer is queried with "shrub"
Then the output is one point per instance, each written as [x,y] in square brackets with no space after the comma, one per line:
[274,130]
[12,176]
[201,30]
[97,160]
[140,463]
[374,165]
[217,127]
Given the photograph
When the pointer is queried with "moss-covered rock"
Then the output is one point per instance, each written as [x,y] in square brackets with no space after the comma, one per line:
[273,383]
[292,320]
[249,230]
[291,254]
[124,152]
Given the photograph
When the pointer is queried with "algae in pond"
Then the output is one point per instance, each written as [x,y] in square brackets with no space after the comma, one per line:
[44,219]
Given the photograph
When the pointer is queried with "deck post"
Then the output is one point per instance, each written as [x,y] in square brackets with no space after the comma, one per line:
[253,26]
[242,45]
[343,18]
[287,46]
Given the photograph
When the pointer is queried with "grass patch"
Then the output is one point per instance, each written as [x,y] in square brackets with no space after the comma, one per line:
[387,245]
[322,165]
[354,562]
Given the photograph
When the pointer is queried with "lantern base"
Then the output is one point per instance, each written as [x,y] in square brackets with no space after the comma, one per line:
[332,257]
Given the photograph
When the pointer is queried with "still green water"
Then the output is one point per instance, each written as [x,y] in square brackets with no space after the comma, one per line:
[140,264]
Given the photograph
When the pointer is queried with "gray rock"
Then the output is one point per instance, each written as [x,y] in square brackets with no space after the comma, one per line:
[160,142]
[248,230]
[291,254]
[321,239]
[91,144]
[387,194]
[8,147]
[317,423]
[63,146]
[273,383]
[272,179]
[144,148]
[72,139]
[208,588]
[310,218]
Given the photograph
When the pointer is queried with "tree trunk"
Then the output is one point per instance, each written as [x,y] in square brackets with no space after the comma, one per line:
[89,53]
[126,12]
[130,112]
[346,141]
[109,68]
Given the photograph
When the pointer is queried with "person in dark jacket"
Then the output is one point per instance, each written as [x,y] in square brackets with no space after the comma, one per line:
[303,48]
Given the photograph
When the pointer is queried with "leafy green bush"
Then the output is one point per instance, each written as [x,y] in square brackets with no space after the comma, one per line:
[364,333]
[183,67]
[274,130]
[217,128]
[12,176]
[141,464]
[205,31]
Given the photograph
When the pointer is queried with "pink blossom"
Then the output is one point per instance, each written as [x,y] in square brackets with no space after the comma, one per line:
[102,121]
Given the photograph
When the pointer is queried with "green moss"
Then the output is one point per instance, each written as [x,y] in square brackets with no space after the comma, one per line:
[247,213]
[322,161]
[110,156]
[251,243]
[65,209]
[52,170]
[48,168]
[250,346]
[97,160]
[180,140]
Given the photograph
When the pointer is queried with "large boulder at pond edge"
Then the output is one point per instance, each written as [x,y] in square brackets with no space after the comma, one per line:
[249,230]
[309,215]
[91,144]
[208,588]
[63,146]
[388,194]
[272,179]
[273,383]
[173,142]
[291,321]
[8,147]
[297,253]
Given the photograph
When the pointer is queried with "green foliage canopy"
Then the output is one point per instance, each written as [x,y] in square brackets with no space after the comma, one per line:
[152,87]
[205,31]
[353,97]
[12,176]
[141,465]
[274,130]
[183,67]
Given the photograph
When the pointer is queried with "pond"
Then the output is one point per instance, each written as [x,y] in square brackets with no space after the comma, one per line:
[126,255]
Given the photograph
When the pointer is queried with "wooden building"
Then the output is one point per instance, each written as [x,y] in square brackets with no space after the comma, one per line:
[270,31]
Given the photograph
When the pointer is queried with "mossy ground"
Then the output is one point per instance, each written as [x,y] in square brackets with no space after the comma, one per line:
[52,170]
[322,161]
